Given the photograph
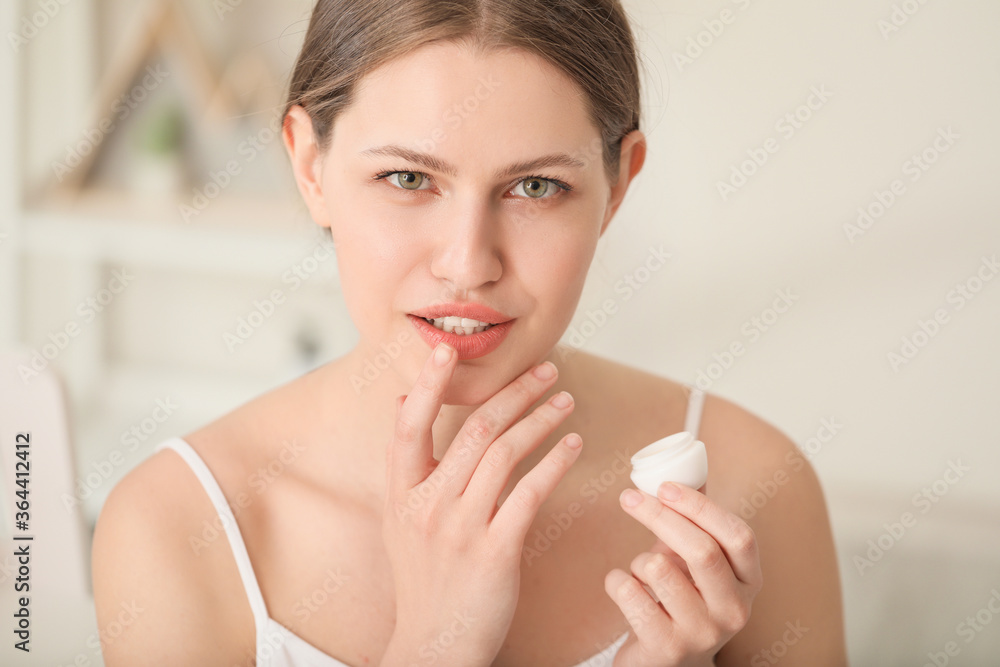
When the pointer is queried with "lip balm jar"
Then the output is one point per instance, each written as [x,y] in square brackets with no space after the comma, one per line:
[677,458]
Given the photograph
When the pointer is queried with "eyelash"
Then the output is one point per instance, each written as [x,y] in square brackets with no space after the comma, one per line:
[565,187]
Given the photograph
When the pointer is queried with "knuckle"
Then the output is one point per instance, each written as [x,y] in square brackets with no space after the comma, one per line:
[675,581]
[526,497]
[499,456]
[707,555]
[463,450]
[523,388]
[744,540]
[737,618]
[658,567]
[629,591]
[558,460]
[406,431]
[480,427]
[426,384]
[710,637]
[425,525]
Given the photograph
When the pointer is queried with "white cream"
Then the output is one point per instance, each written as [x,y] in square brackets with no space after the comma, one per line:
[676,458]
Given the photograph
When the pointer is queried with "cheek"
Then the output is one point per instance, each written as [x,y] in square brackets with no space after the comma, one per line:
[557,253]
[553,267]
[370,236]
[564,270]
[369,249]
[371,267]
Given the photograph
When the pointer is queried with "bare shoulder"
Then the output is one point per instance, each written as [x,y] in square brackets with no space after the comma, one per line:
[758,473]
[744,448]
[149,578]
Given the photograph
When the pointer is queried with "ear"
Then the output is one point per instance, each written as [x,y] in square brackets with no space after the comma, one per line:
[633,155]
[303,151]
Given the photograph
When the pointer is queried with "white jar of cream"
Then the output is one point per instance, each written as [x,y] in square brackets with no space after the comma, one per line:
[676,458]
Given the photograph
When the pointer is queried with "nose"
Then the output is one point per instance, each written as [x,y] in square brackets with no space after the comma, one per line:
[467,254]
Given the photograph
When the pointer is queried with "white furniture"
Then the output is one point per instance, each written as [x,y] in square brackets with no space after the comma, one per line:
[56,583]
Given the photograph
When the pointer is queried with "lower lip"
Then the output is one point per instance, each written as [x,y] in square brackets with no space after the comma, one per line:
[469,346]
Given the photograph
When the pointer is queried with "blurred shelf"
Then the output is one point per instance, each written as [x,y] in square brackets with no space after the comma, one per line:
[235,235]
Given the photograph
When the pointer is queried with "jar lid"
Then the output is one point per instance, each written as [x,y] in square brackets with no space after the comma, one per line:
[662,450]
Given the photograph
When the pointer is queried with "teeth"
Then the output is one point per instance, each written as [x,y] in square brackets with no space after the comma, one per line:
[462,326]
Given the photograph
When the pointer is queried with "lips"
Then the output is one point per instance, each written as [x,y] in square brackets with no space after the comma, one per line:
[468,346]
[471,311]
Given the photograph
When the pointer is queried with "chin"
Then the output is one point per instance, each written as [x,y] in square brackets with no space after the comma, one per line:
[473,385]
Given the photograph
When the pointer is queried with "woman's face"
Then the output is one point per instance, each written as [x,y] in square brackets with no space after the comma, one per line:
[455,180]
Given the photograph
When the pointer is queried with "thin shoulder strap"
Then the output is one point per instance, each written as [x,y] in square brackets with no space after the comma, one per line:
[207,480]
[696,398]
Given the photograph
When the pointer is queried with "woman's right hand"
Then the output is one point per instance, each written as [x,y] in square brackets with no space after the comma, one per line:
[455,554]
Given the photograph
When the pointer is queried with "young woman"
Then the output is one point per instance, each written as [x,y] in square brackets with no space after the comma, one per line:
[453,490]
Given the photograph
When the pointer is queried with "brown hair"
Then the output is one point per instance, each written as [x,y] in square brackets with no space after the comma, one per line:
[589,40]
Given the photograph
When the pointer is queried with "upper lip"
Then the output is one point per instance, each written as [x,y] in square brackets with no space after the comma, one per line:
[472,311]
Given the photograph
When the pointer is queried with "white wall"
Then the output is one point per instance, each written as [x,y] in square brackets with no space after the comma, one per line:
[785,227]
[827,356]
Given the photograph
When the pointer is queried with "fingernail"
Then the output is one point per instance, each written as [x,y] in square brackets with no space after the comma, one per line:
[573,441]
[546,371]
[630,498]
[442,355]
[562,400]
[669,491]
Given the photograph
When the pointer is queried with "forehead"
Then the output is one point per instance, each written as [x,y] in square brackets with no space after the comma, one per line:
[444,99]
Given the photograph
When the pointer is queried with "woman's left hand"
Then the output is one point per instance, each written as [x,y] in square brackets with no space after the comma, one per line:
[699,609]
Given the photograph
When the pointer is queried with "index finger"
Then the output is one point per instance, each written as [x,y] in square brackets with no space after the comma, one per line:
[732,534]
[411,450]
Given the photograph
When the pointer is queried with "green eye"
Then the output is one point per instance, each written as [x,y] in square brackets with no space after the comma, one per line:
[535,187]
[411,180]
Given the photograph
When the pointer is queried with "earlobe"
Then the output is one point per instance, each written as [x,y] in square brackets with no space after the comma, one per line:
[304,155]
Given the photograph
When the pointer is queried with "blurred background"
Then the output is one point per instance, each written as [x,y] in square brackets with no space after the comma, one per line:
[823,178]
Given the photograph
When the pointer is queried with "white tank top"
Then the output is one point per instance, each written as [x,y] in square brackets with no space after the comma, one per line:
[277,646]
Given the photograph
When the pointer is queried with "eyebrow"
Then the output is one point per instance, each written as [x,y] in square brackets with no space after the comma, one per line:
[437,164]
